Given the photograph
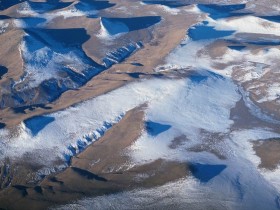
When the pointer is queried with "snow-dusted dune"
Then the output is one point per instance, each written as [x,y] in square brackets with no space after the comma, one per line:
[111,28]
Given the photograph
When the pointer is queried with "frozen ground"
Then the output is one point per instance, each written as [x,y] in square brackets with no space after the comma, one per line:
[193,107]
[193,112]
[221,42]
[202,104]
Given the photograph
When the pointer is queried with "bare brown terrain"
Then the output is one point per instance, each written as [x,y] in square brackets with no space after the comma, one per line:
[268,151]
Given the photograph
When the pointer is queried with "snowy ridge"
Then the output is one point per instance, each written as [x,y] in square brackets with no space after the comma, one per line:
[121,54]
[165,6]
[253,25]
[103,33]
[25,9]
[110,30]
[76,148]
[173,11]
[65,10]
[49,66]
[85,140]
[43,63]
[77,9]
[52,66]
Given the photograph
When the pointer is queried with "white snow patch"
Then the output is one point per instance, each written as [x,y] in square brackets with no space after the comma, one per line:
[25,9]
[253,25]
[191,54]
[187,110]
[243,139]
[172,11]
[43,63]
[66,14]
[19,23]
[193,9]
[181,194]
[273,93]
[72,11]
[3,26]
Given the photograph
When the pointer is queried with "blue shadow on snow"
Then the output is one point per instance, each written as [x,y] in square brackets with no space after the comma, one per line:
[38,123]
[155,129]
[204,32]
[206,172]
[222,11]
